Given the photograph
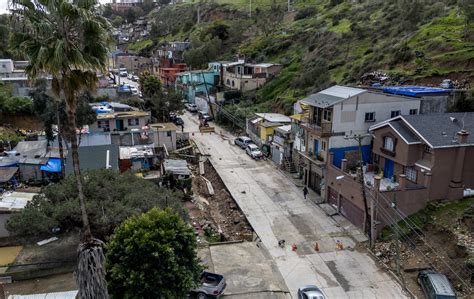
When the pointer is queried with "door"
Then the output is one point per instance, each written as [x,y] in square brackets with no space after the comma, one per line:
[352,212]
[119,124]
[388,168]
[316,144]
[332,197]
[276,155]
[314,182]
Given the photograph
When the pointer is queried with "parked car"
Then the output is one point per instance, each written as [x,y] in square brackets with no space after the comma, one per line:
[254,152]
[135,78]
[204,116]
[242,141]
[134,90]
[310,292]
[212,285]
[191,107]
[129,76]
[123,74]
[178,121]
[435,285]
[447,83]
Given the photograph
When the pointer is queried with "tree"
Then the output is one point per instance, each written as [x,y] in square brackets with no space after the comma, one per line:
[202,52]
[160,103]
[117,21]
[153,255]
[69,41]
[12,105]
[112,198]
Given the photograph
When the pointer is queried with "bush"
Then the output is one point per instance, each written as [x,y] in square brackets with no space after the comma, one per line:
[110,199]
[305,12]
[152,255]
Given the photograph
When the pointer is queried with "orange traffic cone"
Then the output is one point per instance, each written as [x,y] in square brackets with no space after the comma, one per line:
[294,247]
[316,247]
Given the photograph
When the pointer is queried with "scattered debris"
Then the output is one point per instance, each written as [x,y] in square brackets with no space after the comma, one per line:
[47,241]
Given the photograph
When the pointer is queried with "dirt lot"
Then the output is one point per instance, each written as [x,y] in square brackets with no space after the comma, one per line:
[217,217]
[444,243]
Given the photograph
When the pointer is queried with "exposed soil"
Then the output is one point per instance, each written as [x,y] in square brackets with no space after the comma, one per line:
[440,252]
[217,214]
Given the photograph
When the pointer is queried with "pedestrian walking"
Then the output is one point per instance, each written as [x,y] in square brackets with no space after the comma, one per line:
[305,192]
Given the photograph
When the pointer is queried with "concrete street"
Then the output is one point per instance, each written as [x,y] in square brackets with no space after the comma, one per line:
[276,209]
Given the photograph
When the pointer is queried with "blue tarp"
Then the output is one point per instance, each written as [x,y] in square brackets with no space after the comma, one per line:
[339,153]
[53,165]
[414,91]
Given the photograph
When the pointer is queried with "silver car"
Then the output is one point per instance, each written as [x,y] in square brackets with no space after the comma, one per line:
[212,286]
[310,292]
[242,141]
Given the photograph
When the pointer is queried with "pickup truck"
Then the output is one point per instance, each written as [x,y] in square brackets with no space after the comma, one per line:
[212,286]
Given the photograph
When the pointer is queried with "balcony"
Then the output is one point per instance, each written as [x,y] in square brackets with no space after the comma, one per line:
[324,130]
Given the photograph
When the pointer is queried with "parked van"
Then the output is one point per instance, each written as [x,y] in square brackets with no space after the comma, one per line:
[435,285]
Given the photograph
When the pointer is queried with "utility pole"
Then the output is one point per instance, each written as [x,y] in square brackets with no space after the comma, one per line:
[368,224]
[250,9]
[289,5]
[397,236]
[207,94]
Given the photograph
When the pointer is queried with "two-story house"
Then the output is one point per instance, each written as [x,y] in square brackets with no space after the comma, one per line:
[244,76]
[416,159]
[435,151]
[331,119]
[198,82]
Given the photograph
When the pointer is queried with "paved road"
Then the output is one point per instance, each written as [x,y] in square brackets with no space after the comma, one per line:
[276,209]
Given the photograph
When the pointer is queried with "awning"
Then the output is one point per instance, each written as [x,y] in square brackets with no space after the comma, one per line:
[254,121]
[53,165]
[6,174]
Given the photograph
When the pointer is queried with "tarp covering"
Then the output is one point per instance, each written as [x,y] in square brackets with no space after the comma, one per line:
[415,91]
[53,165]
[8,162]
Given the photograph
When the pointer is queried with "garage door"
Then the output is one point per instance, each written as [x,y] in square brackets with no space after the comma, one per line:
[276,155]
[352,212]
[332,197]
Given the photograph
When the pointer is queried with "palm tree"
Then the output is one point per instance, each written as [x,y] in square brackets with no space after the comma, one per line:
[68,40]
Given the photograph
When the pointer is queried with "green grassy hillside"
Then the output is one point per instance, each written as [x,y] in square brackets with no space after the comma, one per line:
[322,42]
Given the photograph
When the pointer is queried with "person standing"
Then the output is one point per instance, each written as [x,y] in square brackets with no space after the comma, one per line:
[305,191]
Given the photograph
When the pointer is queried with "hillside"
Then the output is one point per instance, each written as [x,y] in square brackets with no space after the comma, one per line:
[322,42]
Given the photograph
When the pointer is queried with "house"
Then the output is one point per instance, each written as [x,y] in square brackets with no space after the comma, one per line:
[133,63]
[331,117]
[244,76]
[416,159]
[10,204]
[164,135]
[167,72]
[178,168]
[30,157]
[120,121]
[14,74]
[282,146]
[95,157]
[261,127]
[200,82]
[139,157]
[173,50]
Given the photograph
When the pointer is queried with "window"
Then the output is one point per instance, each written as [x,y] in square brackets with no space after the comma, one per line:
[413,111]
[228,82]
[133,122]
[388,144]
[411,172]
[395,113]
[323,145]
[233,84]
[327,115]
[168,133]
[103,124]
[370,117]
[428,149]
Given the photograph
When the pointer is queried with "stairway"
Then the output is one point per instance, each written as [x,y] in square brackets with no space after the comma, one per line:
[288,165]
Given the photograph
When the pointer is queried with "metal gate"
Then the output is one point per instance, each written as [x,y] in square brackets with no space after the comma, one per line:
[276,155]
[352,212]
[332,197]
[314,182]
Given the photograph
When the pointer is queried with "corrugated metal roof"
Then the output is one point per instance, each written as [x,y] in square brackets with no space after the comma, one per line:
[176,166]
[31,149]
[56,295]
[331,96]
[94,157]
[274,117]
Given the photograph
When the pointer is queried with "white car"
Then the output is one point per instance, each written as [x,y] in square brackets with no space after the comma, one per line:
[123,74]
[254,152]
[134,90]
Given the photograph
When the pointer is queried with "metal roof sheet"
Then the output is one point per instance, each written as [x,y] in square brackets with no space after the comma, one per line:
[176,166]
[55,295]
[274,117]
[331,96]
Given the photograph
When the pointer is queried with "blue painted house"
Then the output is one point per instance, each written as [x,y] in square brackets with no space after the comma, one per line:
[200,82]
